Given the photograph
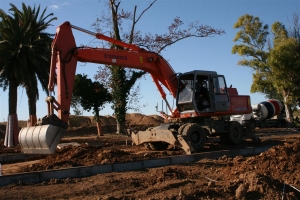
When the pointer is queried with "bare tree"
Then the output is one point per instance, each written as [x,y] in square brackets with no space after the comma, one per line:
[121,81]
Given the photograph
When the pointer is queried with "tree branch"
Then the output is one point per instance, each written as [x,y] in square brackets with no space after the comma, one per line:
[144,11]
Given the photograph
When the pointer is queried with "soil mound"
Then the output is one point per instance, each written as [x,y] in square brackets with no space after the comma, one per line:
[279,162]
[85,155]
[134,121]
[273,174]
[257,177]
[269,171]
[142,122]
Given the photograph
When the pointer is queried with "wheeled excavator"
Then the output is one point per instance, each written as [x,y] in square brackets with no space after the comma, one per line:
[195,117]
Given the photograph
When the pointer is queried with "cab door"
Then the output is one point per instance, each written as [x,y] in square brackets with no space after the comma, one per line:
[220,94]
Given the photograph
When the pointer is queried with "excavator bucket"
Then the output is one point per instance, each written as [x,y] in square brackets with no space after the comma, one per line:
[161,134]
[40,139]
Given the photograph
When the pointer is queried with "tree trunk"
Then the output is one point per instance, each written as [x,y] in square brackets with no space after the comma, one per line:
[32,120]
[31,94]
[288,112]
[289,116]
[12,127]
[119,94]
[99,128]
[121,128]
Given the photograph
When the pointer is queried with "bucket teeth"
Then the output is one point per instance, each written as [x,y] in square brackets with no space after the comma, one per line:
[40,139]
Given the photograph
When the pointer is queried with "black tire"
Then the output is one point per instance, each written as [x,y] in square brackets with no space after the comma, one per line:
[246,133]
[264,125]
[278,124]
[156,146]
[194,135]
[284,124]
[252,124]
[223,138]
[234,133]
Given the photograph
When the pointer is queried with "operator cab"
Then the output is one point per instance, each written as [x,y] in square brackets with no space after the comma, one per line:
[202,91]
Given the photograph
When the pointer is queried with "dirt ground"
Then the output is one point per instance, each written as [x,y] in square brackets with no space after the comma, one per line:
[274,174]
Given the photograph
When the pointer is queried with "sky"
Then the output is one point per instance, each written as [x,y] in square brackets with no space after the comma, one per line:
[213,53]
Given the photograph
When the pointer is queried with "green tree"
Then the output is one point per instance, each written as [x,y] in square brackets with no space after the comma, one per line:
[75,104]
[91,96]
[121,82]
[285,66]
[24,56]
[252,36]
[272,74]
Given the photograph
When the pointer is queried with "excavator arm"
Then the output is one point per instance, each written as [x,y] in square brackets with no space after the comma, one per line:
[44,138]
[65,56]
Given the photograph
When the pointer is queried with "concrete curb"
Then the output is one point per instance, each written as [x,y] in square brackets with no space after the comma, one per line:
[14,157]
[80,172]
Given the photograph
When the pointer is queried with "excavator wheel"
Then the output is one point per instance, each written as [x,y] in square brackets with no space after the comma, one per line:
[155,146]
[264,125]
[194,135]
[223,138]
[252,124]
[278,124]
[234,133]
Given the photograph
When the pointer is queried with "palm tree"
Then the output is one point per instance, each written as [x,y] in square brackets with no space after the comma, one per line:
[24,58]
[38,58]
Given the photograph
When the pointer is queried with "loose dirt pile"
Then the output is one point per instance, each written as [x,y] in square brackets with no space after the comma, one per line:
[270,175]
[273,174]
[86,155]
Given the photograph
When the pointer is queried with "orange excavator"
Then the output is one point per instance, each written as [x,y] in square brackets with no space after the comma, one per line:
[203,100]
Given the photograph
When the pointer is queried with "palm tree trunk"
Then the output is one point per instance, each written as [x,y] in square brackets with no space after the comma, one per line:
[32,107]
[12,127]
[32,120]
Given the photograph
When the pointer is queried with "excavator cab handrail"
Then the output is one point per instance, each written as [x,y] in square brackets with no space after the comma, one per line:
[108,39]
